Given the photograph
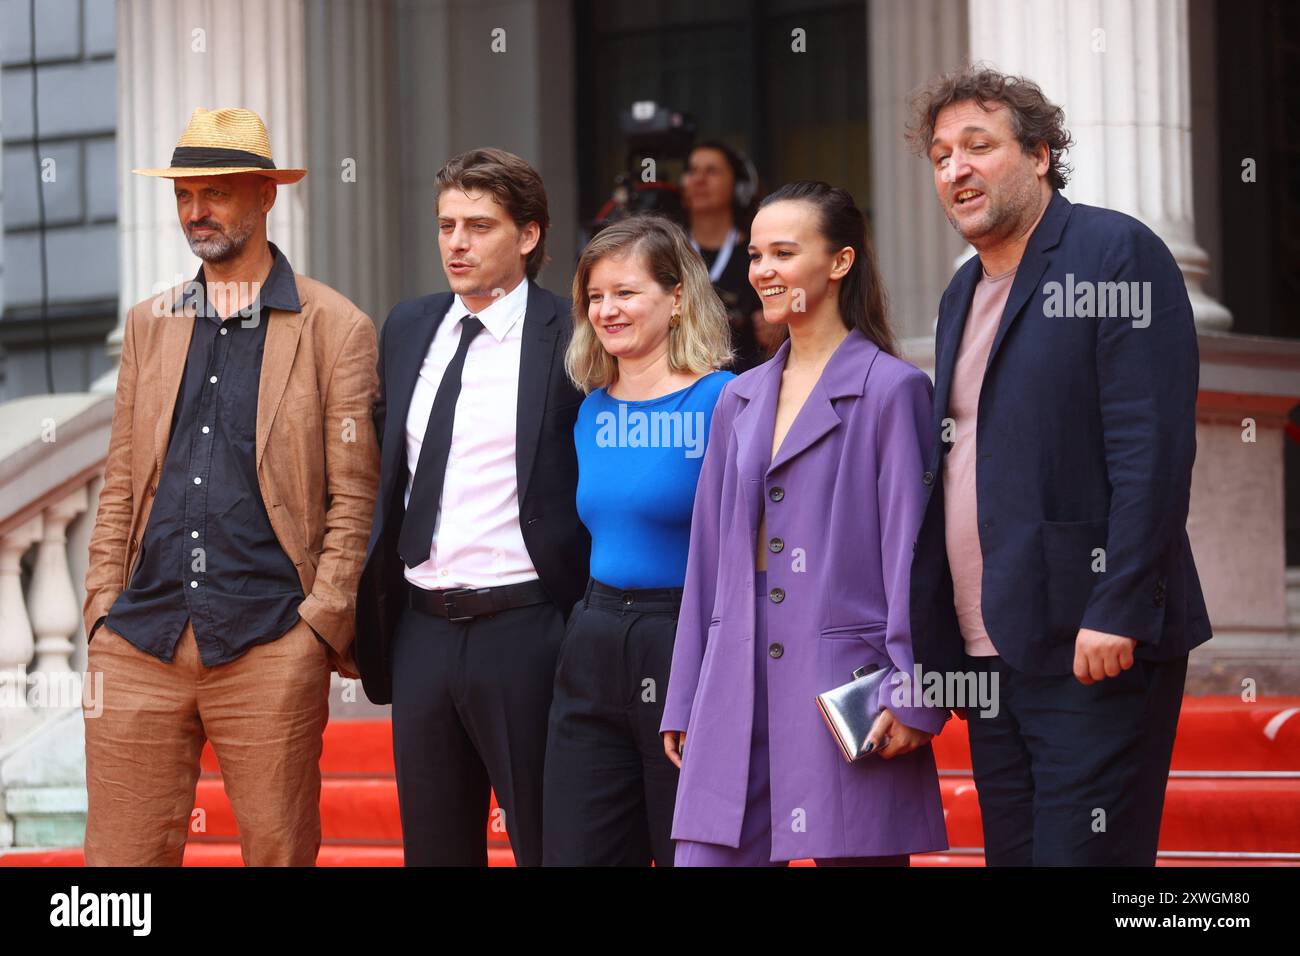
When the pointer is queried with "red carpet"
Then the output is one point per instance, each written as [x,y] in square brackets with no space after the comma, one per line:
[1233,797]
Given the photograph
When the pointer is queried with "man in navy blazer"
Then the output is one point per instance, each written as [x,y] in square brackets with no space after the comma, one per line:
[1053,561]
[476,551]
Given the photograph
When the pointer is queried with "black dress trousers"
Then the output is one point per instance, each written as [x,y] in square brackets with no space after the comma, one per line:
[470,705]
[610,788]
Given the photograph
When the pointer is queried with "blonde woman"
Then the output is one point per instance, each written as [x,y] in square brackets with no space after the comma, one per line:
[650,336]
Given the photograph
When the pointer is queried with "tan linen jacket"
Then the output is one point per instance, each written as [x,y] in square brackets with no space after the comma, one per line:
[317,456]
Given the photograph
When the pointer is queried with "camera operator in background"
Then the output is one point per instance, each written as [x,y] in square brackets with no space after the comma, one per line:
[718,189]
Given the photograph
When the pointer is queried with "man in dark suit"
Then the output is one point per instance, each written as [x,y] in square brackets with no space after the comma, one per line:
[476,552]
[1053,556]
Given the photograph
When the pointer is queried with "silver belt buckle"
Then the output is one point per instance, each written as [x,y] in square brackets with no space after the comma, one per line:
[450,604]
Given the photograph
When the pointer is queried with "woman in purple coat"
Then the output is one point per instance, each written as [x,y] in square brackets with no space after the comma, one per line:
[808,504]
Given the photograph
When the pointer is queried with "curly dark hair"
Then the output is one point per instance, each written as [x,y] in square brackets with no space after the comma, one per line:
[1034,118]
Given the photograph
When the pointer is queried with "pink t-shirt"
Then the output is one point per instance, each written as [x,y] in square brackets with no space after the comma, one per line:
[961,516]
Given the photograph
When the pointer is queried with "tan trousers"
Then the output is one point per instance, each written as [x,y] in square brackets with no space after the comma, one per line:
[264,712]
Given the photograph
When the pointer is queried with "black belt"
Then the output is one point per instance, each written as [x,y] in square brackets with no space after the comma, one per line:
[463,604]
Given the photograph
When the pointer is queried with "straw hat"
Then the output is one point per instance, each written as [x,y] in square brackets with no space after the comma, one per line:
[222,142]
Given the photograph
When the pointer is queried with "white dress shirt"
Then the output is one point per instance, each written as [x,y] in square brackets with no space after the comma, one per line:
[477,541]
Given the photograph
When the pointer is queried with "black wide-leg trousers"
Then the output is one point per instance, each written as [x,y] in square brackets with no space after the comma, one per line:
[610,788]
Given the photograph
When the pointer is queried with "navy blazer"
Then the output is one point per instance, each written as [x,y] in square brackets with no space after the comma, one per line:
[546,465]
[1086,433]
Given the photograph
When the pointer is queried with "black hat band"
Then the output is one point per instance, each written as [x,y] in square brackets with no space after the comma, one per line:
[216,157]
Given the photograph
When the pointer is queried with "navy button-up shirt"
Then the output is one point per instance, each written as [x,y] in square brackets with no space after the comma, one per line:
[209,554]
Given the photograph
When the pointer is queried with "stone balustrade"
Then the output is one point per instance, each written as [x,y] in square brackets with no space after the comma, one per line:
[52,451]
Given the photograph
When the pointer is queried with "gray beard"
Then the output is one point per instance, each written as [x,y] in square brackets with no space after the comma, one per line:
[220,247]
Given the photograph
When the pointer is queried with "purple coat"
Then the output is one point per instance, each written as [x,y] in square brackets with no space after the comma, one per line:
[845,495]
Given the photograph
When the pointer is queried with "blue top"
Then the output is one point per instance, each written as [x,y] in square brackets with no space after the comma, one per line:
[638,464]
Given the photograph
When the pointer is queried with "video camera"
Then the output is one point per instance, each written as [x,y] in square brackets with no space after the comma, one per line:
[659,134]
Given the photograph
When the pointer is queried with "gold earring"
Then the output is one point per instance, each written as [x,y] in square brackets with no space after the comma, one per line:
[674,321]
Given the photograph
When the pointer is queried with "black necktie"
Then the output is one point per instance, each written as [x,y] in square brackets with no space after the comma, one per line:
[426,491]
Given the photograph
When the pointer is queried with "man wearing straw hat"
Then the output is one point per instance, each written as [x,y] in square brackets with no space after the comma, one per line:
[237,499]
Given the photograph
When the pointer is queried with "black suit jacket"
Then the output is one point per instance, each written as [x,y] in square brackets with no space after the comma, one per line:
[1085,434]
[547,467]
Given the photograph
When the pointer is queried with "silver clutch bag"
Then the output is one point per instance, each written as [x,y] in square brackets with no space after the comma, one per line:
[851,709]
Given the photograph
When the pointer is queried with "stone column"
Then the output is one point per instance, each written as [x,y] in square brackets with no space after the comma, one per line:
[353,181]
[1120,71]
[908,44]
[173,56]
[459,91]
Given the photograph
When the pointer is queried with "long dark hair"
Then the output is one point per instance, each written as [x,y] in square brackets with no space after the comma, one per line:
[862,298]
